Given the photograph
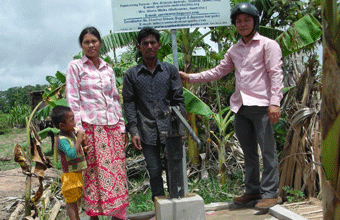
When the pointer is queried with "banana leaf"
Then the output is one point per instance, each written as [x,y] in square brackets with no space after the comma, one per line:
[301,34]
[61,77]
[286,89]
[56,88]
[45,112]
[43,134]
[195,105]
[170,59]
[54,81]
[51,96]
[59,102]
[119,81]
[270,32]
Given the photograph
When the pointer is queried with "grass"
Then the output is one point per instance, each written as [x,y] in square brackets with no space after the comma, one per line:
[7,142]
[211,191]
[140,202]
[208,189]
[17,136]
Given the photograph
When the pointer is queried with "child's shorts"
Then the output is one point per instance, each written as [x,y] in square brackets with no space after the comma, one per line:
[72,186]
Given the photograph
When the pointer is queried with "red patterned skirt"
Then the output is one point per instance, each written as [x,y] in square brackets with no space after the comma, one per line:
[105,181]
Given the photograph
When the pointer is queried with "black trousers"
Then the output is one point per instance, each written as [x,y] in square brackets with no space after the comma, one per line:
[152,154]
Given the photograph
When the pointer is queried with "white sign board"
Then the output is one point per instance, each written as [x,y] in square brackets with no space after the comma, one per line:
[132,15]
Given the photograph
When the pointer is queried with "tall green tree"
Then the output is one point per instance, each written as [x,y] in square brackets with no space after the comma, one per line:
[19,95]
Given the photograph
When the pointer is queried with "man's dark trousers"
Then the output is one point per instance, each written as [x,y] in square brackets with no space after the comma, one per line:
[152,154]
[253,127]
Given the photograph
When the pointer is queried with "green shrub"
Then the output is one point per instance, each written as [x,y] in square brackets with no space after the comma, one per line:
[140,202]
[57,165]
[293,195]
[280,133]
[16,116]
[4,128]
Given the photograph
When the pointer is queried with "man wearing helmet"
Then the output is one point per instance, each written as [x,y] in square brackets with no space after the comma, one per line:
[255,102]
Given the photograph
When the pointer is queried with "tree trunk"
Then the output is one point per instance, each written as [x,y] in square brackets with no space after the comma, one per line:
[330,110]
[330,123]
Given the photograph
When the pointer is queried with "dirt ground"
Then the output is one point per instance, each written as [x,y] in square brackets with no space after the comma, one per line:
[12,184]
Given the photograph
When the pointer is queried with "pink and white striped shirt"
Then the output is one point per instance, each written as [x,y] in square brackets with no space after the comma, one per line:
[92,95]
[258,72]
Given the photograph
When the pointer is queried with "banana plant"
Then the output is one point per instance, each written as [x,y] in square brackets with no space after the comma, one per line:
[54,95]
[330,110]
[29,156]
[301,17]
[281,13]
[223,36]
[189,41]
[223,123]
[196,106]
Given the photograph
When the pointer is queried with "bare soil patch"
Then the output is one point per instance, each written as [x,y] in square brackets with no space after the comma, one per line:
[12,184]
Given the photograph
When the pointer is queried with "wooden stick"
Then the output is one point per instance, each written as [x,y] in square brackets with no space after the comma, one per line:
[55,151]
[296,203]
[16,212]
[46,196]
[55,210]
[28,178]
[311,212]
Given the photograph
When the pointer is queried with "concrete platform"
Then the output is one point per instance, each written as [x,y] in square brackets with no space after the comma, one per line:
[231,211]
[190,207]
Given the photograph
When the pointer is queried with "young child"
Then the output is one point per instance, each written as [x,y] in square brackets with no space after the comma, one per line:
[72,158]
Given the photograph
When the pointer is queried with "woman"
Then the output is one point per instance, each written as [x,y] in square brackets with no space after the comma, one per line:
[93,97]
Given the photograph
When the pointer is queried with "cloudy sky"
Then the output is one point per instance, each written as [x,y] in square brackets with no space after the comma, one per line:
[38,38]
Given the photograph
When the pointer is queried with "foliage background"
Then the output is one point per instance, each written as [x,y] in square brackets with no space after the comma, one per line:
[19,95]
